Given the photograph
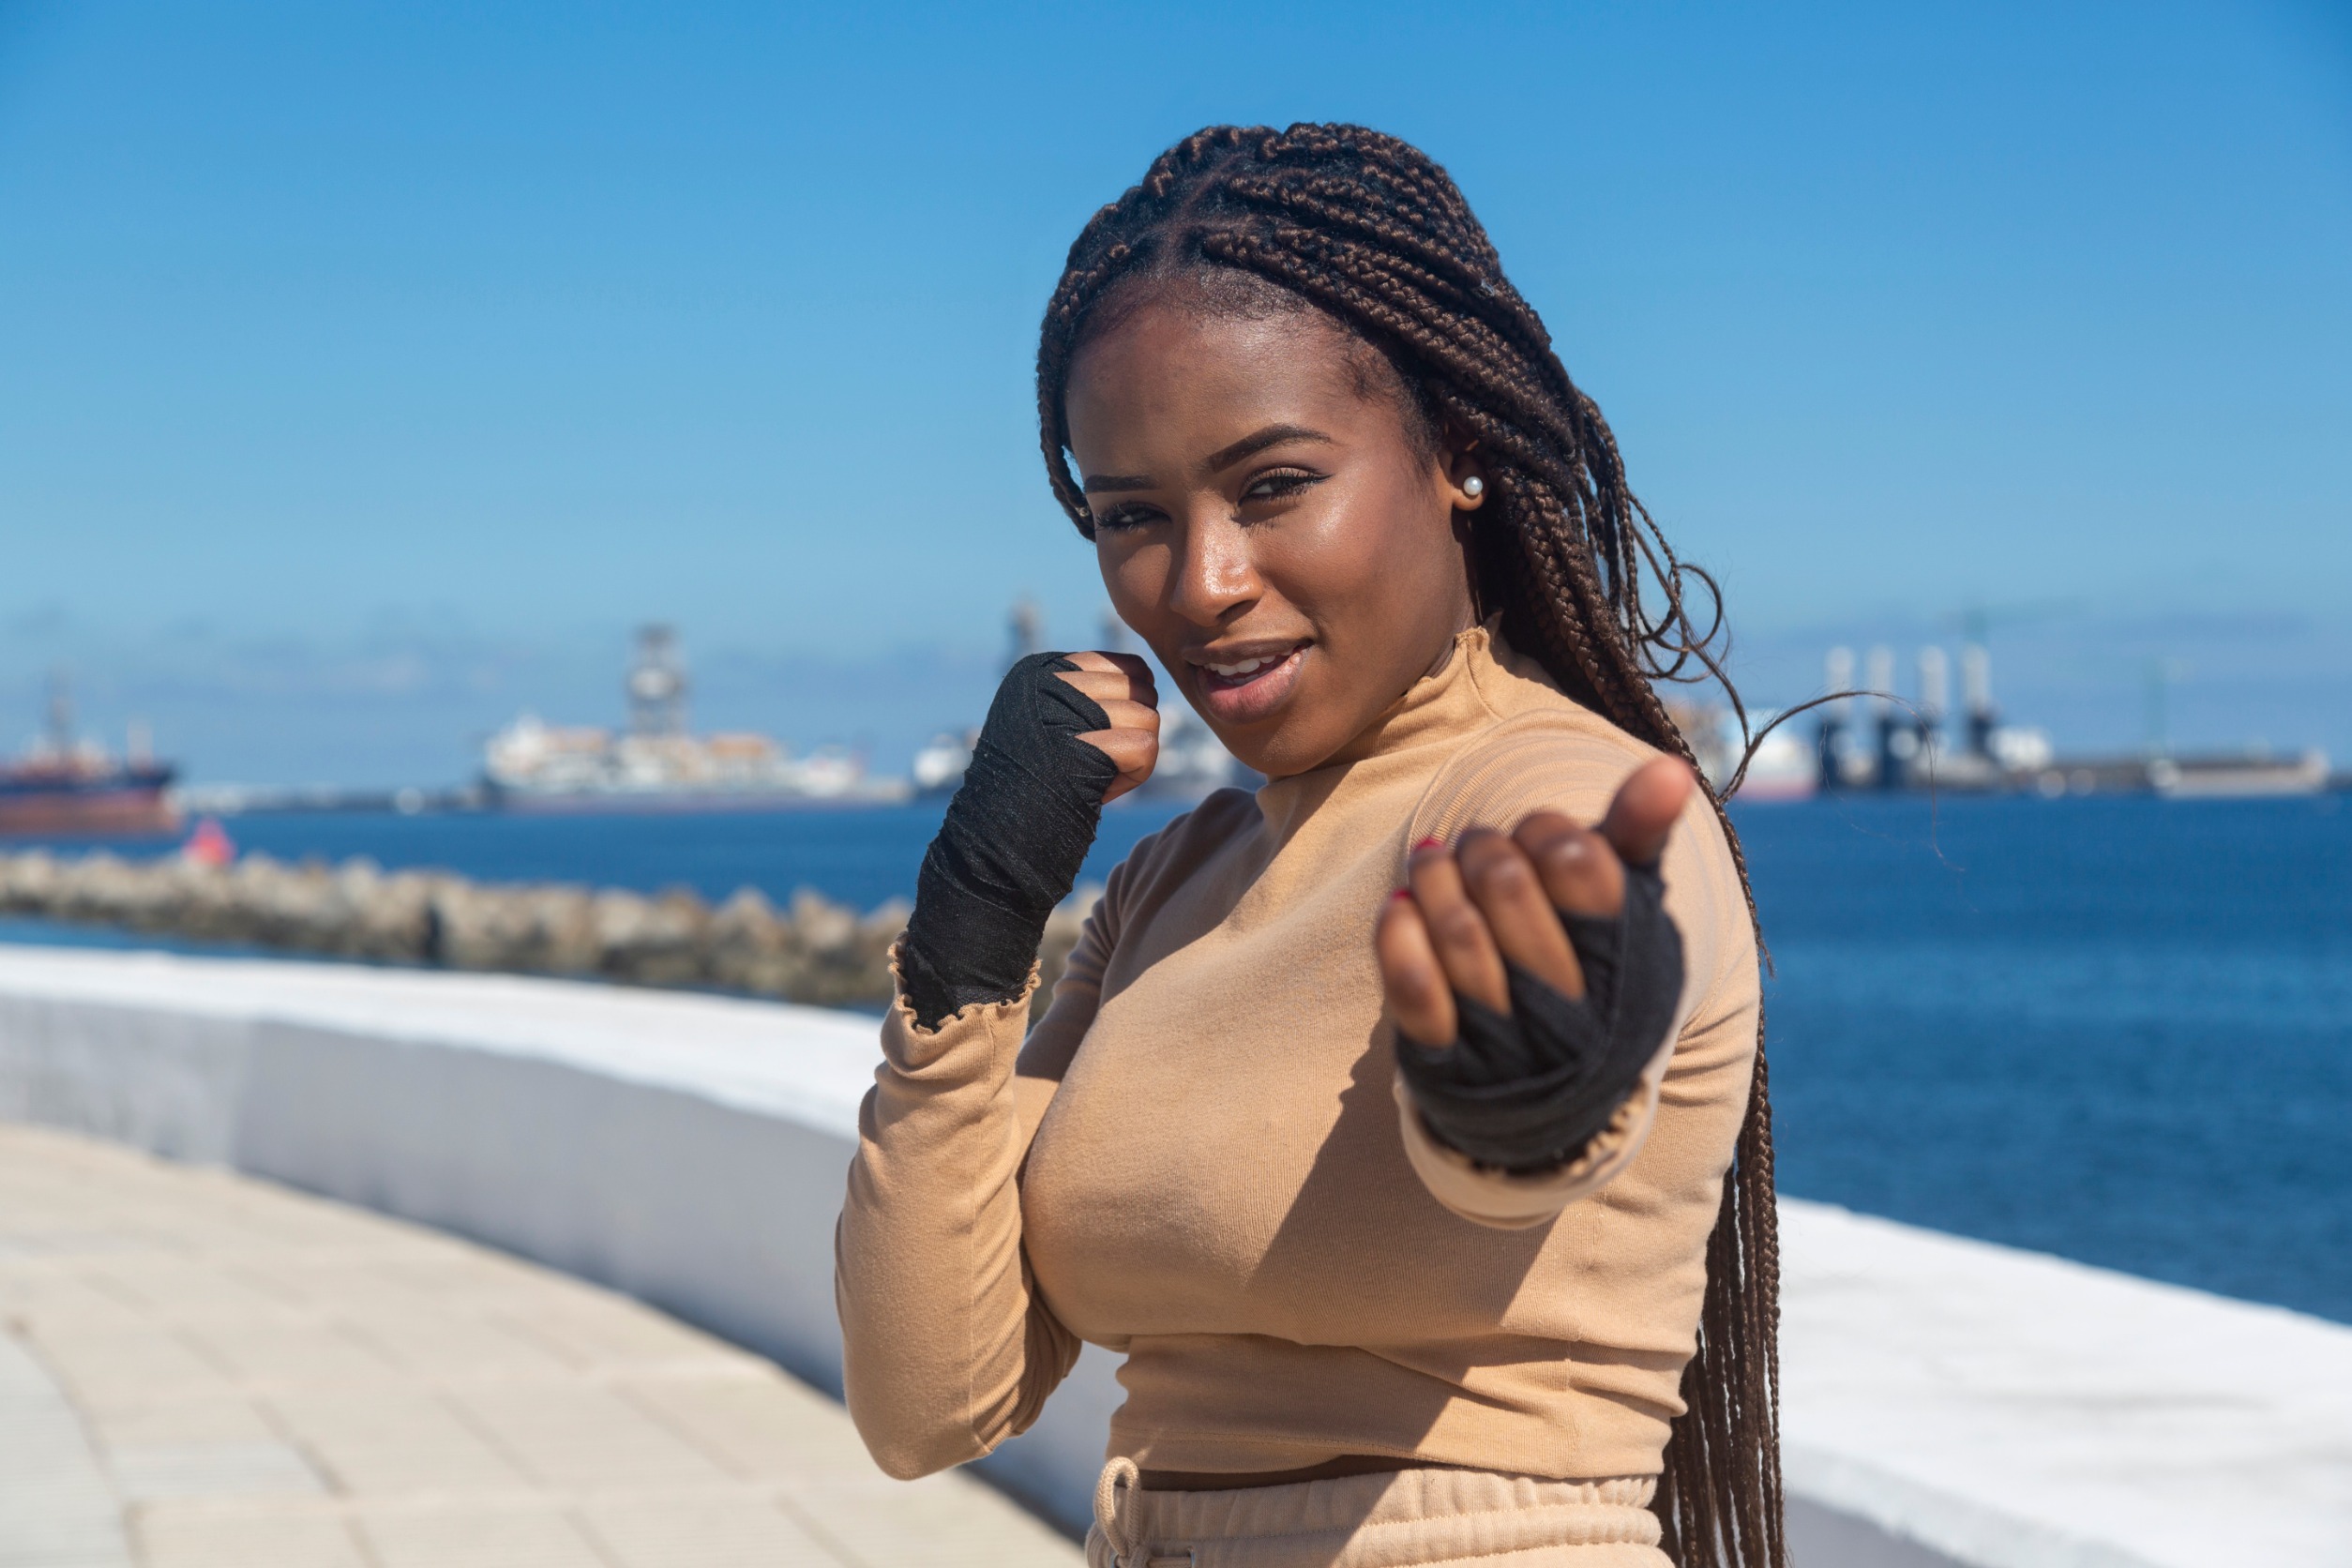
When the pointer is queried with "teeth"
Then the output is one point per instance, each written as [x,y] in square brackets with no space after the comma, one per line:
[1247,667]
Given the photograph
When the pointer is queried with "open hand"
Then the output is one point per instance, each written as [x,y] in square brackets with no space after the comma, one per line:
[1122,684]
[1495,897]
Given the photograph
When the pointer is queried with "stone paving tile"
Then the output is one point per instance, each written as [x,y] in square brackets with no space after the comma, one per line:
[155,1472]
[51,1299]
[297,1355]
[129,1366]
[484,1537]
[198,1536]
[396,1440]
[926,1522]
[182,1421]
[611,1334]
[56,1508]
[577,1437]
[185,1289]
[265,1379]
[432,1343]
[760,1425]
[479,1281]
[738,1532]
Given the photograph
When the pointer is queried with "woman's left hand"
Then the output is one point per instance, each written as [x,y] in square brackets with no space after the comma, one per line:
[1496,898]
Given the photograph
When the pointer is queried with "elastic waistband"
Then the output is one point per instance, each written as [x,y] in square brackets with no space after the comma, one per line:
[1390,1519]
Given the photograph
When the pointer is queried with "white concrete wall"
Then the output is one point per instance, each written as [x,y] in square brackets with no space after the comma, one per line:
[1945,1401]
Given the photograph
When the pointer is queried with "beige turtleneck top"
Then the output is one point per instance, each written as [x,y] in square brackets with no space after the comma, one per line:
[1199,1157]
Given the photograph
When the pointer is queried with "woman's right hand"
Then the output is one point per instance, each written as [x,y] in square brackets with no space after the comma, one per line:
[1065,733]
[1121,685]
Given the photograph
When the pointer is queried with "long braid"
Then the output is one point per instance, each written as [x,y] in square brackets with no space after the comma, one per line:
[1370,231]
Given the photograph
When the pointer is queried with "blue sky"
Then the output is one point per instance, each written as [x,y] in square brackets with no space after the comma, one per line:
[366,370]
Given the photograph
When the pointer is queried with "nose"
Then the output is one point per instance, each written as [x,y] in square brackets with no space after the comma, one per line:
[1216,579]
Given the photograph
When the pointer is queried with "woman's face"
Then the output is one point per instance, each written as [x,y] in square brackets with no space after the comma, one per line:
[1265,520]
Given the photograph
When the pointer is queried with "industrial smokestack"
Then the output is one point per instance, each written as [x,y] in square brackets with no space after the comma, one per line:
[1830,746]
[1838,672]
[1935,686]
[1878,676]
[1976,695]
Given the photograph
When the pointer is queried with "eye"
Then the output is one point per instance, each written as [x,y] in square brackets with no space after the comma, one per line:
[1277,484]
[1130,515]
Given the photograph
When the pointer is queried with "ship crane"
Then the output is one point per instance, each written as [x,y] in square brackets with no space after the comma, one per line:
[658,684]
[60,728]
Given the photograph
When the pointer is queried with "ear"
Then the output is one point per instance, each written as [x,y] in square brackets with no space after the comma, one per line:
[1462,465]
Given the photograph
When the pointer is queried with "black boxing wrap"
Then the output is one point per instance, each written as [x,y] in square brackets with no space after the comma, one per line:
[1010,847]
[1527,1091]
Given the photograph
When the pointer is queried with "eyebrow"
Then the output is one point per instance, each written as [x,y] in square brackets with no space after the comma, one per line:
[1250,446]
[1219,460]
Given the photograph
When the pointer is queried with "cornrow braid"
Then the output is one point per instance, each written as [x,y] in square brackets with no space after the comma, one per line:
[1369,230]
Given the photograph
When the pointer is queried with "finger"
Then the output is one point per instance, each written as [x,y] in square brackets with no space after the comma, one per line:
[1418,997]
[1124,714]
[1097,662]
[1503,883]
[1110,685]
[1580,872]
[1133,752]
[1646,804]
[1464,949]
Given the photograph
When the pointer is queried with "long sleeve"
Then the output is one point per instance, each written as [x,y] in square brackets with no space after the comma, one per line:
[1545,761]
[947,1349]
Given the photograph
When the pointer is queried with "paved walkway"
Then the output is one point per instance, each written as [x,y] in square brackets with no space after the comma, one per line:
[199,1370]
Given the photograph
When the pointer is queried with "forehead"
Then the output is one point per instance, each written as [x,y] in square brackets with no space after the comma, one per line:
[1164,374]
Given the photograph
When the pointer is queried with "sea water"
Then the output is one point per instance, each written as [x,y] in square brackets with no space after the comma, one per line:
[2114,1028]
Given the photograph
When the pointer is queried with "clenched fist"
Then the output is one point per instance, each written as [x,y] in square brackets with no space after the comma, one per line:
[1065,733]
[1121,685]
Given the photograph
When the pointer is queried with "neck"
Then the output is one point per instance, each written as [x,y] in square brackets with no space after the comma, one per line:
[1465,616]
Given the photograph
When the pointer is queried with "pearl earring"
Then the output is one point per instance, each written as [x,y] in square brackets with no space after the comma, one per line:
[1473,487]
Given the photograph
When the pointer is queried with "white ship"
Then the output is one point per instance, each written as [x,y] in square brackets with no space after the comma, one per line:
[659,764]
[1192,760]
[1782,767]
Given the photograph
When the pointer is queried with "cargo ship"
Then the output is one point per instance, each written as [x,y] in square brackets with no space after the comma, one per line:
[1899,744]
[69,788]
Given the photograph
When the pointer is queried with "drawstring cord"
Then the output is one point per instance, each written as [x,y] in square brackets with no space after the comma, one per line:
[1118,1475]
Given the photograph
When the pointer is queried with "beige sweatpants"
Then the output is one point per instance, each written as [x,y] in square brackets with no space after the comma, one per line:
[1398,1519]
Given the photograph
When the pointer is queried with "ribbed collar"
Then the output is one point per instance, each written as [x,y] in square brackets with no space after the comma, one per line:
[1440,709]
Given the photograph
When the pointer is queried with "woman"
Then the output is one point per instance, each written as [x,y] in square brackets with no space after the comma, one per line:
[1385,1119]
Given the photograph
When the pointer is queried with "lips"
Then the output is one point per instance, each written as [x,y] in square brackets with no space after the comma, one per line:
[1246,685]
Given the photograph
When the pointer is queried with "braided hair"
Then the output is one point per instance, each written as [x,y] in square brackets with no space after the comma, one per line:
[1369,231]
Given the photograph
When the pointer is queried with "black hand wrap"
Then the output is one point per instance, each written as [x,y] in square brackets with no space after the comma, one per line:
[1010,849]
[1527,1091]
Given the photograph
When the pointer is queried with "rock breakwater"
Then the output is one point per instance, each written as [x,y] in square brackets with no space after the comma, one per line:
[813,951]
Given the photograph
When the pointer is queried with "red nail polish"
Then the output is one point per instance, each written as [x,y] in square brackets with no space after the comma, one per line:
[1429,844]
[1400,893]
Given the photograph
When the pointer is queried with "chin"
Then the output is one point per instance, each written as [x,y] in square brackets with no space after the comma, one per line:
[1279,750]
